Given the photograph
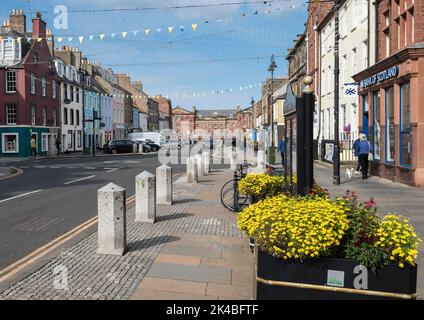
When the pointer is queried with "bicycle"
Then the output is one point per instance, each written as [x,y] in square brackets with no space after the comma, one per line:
[231,197]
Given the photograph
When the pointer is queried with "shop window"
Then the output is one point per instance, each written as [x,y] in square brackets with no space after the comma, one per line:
[10,143]
[377,125]
[405,125]
[390,125]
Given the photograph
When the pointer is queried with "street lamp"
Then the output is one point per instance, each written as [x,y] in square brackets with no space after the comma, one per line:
[252,116]
[336,164]
[271,149]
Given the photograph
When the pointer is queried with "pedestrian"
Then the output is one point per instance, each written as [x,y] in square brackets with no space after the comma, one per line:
[356,154]
[58,144]
[33,147]
[282,149]
[363,154]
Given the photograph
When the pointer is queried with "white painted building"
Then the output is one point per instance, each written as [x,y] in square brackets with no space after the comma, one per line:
[356,41]
[71,106]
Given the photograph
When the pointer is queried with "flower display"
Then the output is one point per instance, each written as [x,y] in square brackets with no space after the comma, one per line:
[261,185]
[398,239]
[316,225]
[295,228]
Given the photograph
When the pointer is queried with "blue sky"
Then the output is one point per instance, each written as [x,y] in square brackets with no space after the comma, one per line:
[220,55]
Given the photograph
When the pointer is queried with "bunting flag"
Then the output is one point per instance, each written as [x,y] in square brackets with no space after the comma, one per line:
[170,29]
[81,39]
[59,39]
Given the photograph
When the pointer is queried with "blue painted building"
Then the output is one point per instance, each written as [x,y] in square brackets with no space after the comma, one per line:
[91,107]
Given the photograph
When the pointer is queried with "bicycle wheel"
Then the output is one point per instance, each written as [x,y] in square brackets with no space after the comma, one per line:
[242,200]
[227,195]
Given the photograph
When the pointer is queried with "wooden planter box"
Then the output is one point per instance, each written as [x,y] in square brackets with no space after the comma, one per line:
[330,279]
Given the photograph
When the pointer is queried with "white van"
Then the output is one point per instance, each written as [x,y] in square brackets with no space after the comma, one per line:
[154,136]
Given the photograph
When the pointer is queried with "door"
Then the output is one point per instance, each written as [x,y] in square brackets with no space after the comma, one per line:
[365,124]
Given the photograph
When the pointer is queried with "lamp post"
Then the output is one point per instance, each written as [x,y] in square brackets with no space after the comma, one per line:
[336,164]
[271,149]
[252,116]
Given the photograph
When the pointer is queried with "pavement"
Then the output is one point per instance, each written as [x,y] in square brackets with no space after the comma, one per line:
[53,196]
[391,197]
[194,251]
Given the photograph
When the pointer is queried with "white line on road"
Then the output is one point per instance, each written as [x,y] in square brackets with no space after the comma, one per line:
[85,178]
[20,195]
[111,170]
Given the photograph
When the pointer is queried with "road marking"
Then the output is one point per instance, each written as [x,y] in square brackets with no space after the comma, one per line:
[42,251]
[89,168]
[81,179]
[20,195]
[111,170]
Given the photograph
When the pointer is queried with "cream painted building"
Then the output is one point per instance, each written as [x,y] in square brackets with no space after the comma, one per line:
[356,52]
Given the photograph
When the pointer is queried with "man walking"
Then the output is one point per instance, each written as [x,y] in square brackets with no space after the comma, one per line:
[364,150]
[33,147]
[58,144]
[282,149]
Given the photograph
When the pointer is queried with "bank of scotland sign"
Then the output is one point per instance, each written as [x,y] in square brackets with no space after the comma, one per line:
[380,77]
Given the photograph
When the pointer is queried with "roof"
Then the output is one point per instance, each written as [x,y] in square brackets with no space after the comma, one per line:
[180,110]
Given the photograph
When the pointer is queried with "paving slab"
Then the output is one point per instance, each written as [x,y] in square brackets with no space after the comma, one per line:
[191,273]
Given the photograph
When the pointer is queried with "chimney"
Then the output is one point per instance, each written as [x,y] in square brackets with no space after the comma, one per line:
[17,21]
[137,85]
[38,27]
[123,79]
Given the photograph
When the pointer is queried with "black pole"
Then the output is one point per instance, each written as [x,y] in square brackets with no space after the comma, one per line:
[300,148]
[308,103]
[336,154]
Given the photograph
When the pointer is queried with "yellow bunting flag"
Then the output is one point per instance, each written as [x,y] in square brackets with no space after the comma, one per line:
[147,31]
[59,39]
[124,34]
[81,39]
[194,27]
[19,39]
[39,39]
[102,36]
[170,29]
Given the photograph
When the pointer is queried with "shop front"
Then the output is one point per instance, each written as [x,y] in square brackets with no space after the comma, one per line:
[391,95]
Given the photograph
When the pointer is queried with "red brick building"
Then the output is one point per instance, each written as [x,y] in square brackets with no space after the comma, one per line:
[29,91]
[392,93]
[183,121]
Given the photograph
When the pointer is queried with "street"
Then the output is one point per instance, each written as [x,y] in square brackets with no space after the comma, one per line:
[53,196]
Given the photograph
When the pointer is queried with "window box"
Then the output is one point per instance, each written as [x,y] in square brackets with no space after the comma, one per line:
[330,279]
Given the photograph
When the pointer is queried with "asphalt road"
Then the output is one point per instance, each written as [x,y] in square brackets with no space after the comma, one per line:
[53,196]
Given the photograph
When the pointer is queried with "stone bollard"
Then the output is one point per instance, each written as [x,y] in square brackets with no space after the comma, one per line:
[140,148]
[199,162]
[112,235]
[206,162]
[135,148]
[261,158]
[164,185]
[233,161]
[145,197]
[192,170]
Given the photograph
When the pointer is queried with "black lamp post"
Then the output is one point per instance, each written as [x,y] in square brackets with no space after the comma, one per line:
[271,149]
[336,167]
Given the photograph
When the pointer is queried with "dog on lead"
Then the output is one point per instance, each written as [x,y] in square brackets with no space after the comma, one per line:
[349,173]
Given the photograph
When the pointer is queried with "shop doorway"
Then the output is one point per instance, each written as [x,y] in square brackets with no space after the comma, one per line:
[365,124]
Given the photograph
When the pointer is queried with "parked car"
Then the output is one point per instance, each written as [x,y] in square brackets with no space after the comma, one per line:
[154,136]
[173,143]
[155,146]
[146,147]
[120,146]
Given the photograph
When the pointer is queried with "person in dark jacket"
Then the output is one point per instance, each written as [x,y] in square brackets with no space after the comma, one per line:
[364,150]
[282,149]
[356,154]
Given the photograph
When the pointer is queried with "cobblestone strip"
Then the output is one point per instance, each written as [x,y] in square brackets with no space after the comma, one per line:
[92,276]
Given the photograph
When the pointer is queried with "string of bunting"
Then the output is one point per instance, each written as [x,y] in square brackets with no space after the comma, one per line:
[149,31]
[177,95]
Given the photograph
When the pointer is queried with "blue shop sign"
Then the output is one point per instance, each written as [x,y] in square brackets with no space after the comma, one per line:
[380,77]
